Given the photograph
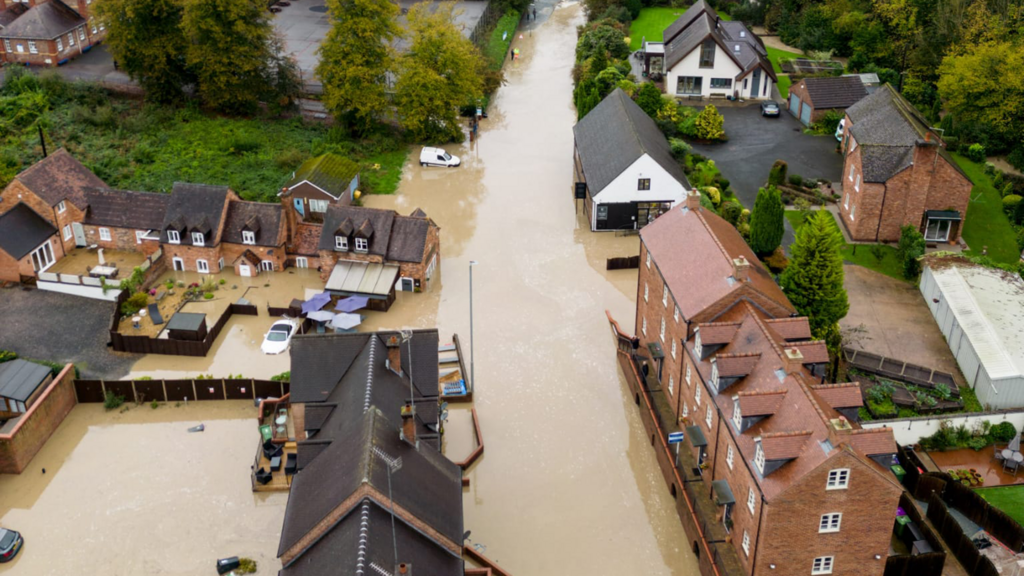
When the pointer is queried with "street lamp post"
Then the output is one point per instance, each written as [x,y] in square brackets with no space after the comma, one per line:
[472,348]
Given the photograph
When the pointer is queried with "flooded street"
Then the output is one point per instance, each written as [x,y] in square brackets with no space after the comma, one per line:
[132,492]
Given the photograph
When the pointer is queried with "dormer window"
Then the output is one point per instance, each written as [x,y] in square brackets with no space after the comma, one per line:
[714,374]
[198,239]
[737,416]
[340,243]
[248,237]
[173,237]
[362,245]
[60,207]
[759,458]
[696,344]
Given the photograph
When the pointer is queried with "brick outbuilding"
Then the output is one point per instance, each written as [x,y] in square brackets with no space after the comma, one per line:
[811,98]
[48,32]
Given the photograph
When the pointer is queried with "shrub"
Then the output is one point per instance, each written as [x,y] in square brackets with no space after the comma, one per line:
[943,391]
[878,251]
[7,356]
[282,377]
[222,282]
[208,295]
[1016,157]
[910,248]
[288,159]
[829,123]
[709,124]
[243,144]
[777,175]
[1020,239]
[731,212]
[990,170]
[976,153]
[246,566]
[154,404]
[1003,432]
[169,284]
[713,194]
[796,180]
[1007,189]
[112,401]
[648,98]
[777,261]
[134,303]
[679,148]
[767,222]
[977,443]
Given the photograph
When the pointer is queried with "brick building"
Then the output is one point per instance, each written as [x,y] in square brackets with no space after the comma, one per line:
[812,98]
[28,243]
[123,220]
[896,171]
[801,488]
[47,32]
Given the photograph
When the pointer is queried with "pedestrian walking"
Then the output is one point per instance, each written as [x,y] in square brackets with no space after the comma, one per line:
[534,13]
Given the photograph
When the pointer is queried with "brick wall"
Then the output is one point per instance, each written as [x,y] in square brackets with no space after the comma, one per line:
[660,306]
[30,434]
[189,254]
[122,239]
[275,254]
[11,270]
[790,537]
[418,270]
[18,192]
[741,480]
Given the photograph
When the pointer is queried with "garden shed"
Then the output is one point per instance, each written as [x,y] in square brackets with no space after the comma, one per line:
[187,326]
[980,311]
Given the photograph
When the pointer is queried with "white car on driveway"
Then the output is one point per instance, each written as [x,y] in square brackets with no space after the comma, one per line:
[438,157]
[277,339]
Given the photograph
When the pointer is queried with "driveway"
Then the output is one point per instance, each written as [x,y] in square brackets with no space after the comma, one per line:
[896,321]
[61,328]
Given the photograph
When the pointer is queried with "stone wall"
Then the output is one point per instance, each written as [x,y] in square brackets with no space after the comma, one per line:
[122,239]
[18,447]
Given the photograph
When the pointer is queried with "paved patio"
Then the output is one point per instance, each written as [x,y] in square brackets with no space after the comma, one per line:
[80,260]
[988,467]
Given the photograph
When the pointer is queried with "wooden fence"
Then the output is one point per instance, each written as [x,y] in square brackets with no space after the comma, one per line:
[92,391]
[148,345]
[623,263]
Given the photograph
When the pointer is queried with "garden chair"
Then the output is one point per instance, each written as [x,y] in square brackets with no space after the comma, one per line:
[997,453]
[1012,465]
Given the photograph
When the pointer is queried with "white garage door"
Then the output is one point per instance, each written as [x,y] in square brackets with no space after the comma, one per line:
[245,270]
[805,115]
[794,104]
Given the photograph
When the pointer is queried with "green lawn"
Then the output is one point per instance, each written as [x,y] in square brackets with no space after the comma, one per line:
[784,83]
[774,54]
[501,39]
[861,254]
[1009,499]
[986,224]
[651,23]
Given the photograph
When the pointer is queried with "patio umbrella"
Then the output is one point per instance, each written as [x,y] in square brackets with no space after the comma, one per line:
[1015,443]
[316,302]
[352,303]
[320,315]
[346,321]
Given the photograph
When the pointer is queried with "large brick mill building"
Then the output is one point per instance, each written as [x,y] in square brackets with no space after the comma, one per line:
[800,487]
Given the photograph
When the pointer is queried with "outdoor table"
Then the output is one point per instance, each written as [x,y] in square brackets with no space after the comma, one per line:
[103,272]
[1018,457]
[1007,453]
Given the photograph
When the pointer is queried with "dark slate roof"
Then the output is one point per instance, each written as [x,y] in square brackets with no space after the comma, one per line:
[614,135]
[197,206]
[699,7]
[427,485]
[734,41]
[11,14]
[381,220]
[262,217]
[337,553]
[44,22]
[834,91]
[59,177]
[125,208]
[22,230]
[19,379]
[408,239]
[328,172]
[190,321]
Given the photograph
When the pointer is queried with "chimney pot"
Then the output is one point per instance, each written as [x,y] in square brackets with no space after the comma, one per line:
[741,269]
[393,344]
[403,568]
[693,200]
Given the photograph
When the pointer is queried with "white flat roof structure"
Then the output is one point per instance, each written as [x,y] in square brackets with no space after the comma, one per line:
[362,278]
[989,307]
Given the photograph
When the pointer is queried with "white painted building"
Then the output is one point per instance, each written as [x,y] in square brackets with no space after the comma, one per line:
[981,313]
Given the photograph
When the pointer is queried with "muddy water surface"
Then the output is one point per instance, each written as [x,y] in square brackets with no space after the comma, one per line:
[134,493]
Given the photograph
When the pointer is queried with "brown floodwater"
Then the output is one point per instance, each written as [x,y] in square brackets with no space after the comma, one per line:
[568,480]
[132,492]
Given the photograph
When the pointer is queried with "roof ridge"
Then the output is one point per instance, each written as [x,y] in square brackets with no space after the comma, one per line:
[833,385]
[730,323]
[369,374]
[764,330]
[880,429]
[813,399]
[786,434]
[787,319]
[770,392]
[737,354]
[629,119]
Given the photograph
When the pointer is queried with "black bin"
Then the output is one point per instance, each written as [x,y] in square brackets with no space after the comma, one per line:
[225,565]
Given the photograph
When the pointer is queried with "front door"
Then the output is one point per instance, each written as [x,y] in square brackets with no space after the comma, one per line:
[407,285]
[602,217]
[755,81]
[245,270]
[299,207]
[301,262]
[79,234]
[179,265]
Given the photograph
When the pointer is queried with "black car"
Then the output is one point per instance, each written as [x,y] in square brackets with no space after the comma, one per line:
[769,108]
[10,544]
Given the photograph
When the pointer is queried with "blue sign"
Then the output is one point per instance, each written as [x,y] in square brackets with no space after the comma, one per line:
[675,437]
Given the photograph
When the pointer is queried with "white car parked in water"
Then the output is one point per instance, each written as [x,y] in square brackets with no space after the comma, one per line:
[277,339]
[438,157]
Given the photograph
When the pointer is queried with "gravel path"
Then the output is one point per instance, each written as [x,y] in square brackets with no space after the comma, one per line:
[61,328]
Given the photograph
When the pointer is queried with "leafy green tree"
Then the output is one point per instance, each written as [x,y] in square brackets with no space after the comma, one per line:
[440,72]
[235,55]
[813,281]
[356,58]
[777,175]
[985,85]
[147,42]
[766,227]
[709,124]
[648,98]
[910,249]
[902,31]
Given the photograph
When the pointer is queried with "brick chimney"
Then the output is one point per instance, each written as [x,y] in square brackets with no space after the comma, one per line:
[741,269]
[794,359]
[409,423]
[693,200]
[290,226]
[394,346]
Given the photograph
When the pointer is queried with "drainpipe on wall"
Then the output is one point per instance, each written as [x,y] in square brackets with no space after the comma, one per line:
[881,212]
[757,541]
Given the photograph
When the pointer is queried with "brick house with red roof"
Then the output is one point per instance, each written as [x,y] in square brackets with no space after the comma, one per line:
[47,32]
[801,488]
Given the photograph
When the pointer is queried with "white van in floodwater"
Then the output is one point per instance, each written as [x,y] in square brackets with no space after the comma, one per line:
[438,157]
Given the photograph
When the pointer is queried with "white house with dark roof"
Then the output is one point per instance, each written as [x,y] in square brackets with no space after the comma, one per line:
[704,56]
[625,166]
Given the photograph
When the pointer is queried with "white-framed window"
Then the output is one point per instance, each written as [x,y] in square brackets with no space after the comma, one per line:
[198,239]
[709,415]
[93,24]
[173,237]
[7,45]
[105,234]
[673,348]
[71,39]
[32,49]
[746,543]
[341,243]
[846,201]
[140,235]
[647,291]
[60,45]
[61,207]
[103,26]
[714,374]
[850,177]
[220,264]
[675,315]
[838,479]
[688,374]
[362,245]
[81,31]
[830,522]
[751,500]
[662,334]
[248,237]
[644,326]
[853,211]
[759,458]
[267,265]
[664,296]
[301,262]
[318,205]
[67,232]
[648,260]
[671,384]
[696,344]
[696,398]
[20,48]
[822,565]
[737,415]
[729,456]
[857,185]
[202,266]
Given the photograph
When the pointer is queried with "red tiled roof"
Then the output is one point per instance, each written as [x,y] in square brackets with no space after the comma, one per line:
[730,365]
[718,332]
[791,328]
[784,445]
[873,441]
[761,403]
[845,395]
[813,352]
